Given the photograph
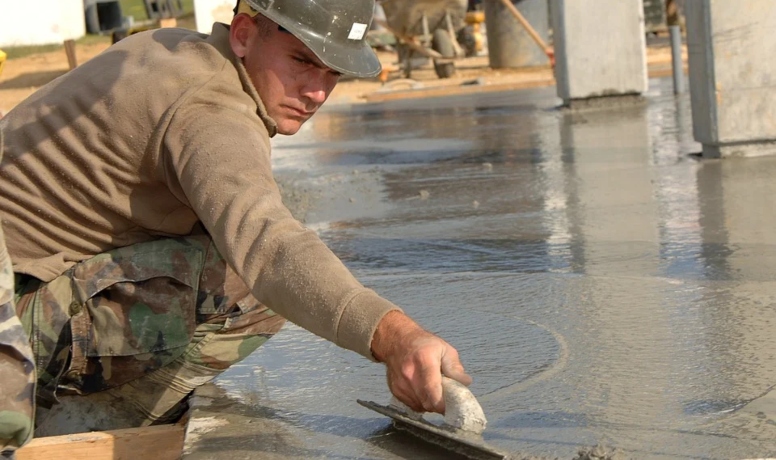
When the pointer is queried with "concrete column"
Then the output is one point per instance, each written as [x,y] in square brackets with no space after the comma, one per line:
[600,49]
[731,47]
[509,45]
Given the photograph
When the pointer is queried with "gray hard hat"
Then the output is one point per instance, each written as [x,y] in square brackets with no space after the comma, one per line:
[335,30]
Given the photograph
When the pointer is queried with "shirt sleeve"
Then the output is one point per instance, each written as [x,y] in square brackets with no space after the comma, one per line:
[220,158]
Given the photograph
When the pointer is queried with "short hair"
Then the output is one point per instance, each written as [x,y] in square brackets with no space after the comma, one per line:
[265,25]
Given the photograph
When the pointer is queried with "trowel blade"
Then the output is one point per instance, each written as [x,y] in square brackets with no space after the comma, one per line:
[467,444]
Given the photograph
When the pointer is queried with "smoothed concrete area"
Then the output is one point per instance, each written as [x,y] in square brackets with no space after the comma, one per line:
[604,286]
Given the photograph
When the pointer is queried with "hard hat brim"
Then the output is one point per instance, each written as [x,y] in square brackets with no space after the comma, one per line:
[336,36]
[356,60]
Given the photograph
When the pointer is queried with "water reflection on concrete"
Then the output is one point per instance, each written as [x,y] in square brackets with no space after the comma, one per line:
[602,286]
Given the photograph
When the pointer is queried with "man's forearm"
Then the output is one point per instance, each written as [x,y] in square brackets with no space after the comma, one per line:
[392,330]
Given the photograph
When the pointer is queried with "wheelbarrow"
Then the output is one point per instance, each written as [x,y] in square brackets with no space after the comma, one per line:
[428,28]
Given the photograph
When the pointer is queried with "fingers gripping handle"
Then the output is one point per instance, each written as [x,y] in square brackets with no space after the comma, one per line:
[462,411]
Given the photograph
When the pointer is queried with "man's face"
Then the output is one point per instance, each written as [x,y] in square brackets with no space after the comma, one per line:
[292,82]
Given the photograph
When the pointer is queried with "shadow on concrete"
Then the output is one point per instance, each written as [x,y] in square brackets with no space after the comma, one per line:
[31,79]
[266,432]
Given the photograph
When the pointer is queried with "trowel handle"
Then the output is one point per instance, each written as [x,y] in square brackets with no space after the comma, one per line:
[462,410]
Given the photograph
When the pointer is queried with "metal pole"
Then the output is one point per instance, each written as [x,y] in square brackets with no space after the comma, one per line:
[676,58]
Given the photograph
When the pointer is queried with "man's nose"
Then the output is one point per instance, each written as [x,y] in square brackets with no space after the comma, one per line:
[317,89]
[316,95]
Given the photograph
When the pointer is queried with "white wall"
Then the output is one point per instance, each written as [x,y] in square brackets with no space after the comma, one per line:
[40,22]
[207,12]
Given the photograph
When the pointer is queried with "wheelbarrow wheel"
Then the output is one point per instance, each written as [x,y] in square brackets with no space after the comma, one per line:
[468,41]
[443,44]
[405,59]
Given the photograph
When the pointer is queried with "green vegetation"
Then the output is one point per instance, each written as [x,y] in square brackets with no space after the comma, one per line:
[136,8]
[14,52]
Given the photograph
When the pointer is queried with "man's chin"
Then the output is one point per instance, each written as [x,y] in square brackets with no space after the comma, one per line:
[289,127]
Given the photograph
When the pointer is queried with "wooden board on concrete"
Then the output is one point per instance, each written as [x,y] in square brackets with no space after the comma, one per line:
[162,442]
[456,90]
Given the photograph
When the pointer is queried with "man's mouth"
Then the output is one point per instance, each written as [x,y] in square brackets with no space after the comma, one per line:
[301,112]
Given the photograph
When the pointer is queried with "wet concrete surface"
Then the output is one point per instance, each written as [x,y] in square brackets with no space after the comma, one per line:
[603,286]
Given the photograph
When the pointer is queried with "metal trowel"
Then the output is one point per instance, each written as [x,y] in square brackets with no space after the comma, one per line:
[463,425]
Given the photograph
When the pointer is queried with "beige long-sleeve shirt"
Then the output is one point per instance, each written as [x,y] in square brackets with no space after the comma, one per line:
[161,131]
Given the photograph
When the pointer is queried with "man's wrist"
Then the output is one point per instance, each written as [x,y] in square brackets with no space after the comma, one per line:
[392,329]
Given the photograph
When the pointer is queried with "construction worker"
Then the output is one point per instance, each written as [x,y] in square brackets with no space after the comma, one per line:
[150,246]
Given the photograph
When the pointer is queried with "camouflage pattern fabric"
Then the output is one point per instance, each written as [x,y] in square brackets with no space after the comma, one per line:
[217,344]
[147,322]
[17,371]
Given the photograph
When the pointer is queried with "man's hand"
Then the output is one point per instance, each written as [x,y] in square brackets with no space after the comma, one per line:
[416,360]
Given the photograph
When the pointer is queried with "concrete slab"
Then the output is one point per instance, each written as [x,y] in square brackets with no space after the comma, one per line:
[603,285]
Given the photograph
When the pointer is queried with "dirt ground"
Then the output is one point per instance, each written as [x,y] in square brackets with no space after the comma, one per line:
[22,76]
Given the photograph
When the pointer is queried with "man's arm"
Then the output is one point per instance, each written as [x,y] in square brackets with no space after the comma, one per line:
[416,360]
[227,180]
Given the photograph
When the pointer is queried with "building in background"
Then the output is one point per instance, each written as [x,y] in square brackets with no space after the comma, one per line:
[54,22]
[207,12]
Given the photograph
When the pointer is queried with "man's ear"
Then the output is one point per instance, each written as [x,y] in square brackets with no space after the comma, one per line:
[241,33]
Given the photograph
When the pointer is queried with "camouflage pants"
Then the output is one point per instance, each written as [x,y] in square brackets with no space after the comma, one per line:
[135,330]
[17,373]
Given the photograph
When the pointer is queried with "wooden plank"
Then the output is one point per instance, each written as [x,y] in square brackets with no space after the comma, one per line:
[456,90]
[161,442]
[70,51]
